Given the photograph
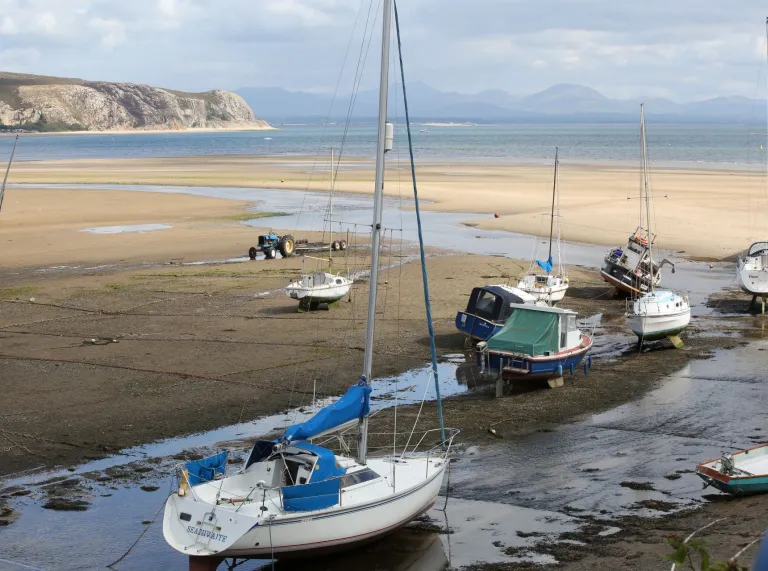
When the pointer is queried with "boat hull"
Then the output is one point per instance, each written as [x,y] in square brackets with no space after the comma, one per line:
[753,281]
[319,294]
[539,368]
[655,327]
[476,327]
[302,533]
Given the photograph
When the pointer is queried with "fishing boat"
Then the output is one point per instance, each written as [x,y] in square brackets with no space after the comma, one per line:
[743,472]
[537,343]
[548,287]
[312,289]
[488,309]
[655,314]
[296,498]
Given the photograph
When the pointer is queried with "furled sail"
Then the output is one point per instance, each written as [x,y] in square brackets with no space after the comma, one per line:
[354,404]
[546,266]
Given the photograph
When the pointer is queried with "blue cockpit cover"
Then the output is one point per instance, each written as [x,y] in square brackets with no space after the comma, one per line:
[205,469]
[325,467]
[546,266]
[354,404]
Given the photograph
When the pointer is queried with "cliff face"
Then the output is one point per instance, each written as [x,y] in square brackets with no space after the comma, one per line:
[28,100]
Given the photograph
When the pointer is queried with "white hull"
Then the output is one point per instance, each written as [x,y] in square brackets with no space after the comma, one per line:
[753,277]
[365,512]
[549,289]
[659,314]
[320,287]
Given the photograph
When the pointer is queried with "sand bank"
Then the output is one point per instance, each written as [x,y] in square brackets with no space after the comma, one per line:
[708,213]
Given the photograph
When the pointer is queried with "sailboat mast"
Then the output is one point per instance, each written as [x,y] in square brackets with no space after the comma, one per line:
[7,170]
[552,215]
[378,198]
[330,220]
[647,196]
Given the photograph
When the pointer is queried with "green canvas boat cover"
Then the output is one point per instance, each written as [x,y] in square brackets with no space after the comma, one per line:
[528,332]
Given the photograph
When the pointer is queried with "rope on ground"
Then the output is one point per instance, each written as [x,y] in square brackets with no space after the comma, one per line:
[146,528]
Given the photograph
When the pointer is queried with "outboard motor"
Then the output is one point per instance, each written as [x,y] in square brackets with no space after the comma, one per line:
[726,464]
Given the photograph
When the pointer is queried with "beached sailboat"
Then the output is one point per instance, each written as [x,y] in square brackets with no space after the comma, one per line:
[548,287]
[537,343]
[752,268]
[293,497]
[488,309]
[658,313]
[740,473]
[312,289]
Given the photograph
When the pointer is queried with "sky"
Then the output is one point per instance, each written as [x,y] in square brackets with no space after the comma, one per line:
[683,50]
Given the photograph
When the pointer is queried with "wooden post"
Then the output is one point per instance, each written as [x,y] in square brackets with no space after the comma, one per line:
[500,385]
[554,383]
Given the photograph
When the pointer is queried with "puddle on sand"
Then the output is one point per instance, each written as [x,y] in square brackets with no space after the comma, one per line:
[652,445]
[140,228]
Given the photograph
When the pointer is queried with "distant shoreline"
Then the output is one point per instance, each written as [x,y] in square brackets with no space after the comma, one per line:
[232,129]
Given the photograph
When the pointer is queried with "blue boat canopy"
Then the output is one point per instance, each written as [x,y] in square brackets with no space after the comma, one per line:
[546,266]
[354,404]
[205,469]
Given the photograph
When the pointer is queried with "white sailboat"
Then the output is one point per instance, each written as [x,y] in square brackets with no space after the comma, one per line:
[547,287]
[658,313]
[295,498]
[752,268]
[321,287]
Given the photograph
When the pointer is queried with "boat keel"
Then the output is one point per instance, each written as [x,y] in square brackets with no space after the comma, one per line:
[198,563]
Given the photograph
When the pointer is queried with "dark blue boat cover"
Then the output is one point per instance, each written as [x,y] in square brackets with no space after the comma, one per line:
[546,266]
[205,469]
[761,563]
[308,497]
[354,404]
[322,491]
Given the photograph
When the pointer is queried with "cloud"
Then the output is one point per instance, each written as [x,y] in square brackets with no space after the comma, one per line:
[684,49]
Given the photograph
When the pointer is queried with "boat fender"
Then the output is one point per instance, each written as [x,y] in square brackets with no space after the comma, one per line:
[559,370]
[571,368]
[586,367]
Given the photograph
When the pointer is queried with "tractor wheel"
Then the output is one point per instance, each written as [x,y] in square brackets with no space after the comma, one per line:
[287,246]
[343,245]
[335,246]
[252,251]
[270,254]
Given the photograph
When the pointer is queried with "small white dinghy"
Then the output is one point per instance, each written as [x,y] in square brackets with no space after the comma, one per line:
[321,287]
[546,287]
[656,314]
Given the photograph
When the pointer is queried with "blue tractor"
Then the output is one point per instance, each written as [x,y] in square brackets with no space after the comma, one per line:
[271,243]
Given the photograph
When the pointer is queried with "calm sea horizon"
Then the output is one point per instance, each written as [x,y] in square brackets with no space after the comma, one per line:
[669,145]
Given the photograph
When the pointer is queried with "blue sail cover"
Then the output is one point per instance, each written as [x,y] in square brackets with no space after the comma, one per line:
[546,266]
[354,404]
[205,469]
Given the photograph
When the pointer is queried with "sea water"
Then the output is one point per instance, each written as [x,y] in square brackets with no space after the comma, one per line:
[722,146]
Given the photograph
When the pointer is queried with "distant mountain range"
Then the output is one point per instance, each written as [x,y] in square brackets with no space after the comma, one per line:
[559,103]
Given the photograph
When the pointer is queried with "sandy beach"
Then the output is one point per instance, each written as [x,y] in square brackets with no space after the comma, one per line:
[703,213]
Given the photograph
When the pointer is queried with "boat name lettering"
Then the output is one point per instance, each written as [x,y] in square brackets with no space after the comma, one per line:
[205,533]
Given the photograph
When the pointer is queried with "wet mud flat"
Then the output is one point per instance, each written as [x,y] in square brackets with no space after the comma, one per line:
[198,348]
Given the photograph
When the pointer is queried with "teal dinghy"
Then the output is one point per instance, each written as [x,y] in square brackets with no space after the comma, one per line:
[743,472]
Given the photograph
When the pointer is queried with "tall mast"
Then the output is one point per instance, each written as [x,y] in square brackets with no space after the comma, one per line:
[330,220]
[383,144]
[7,170]
[647,197]
[552,221]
